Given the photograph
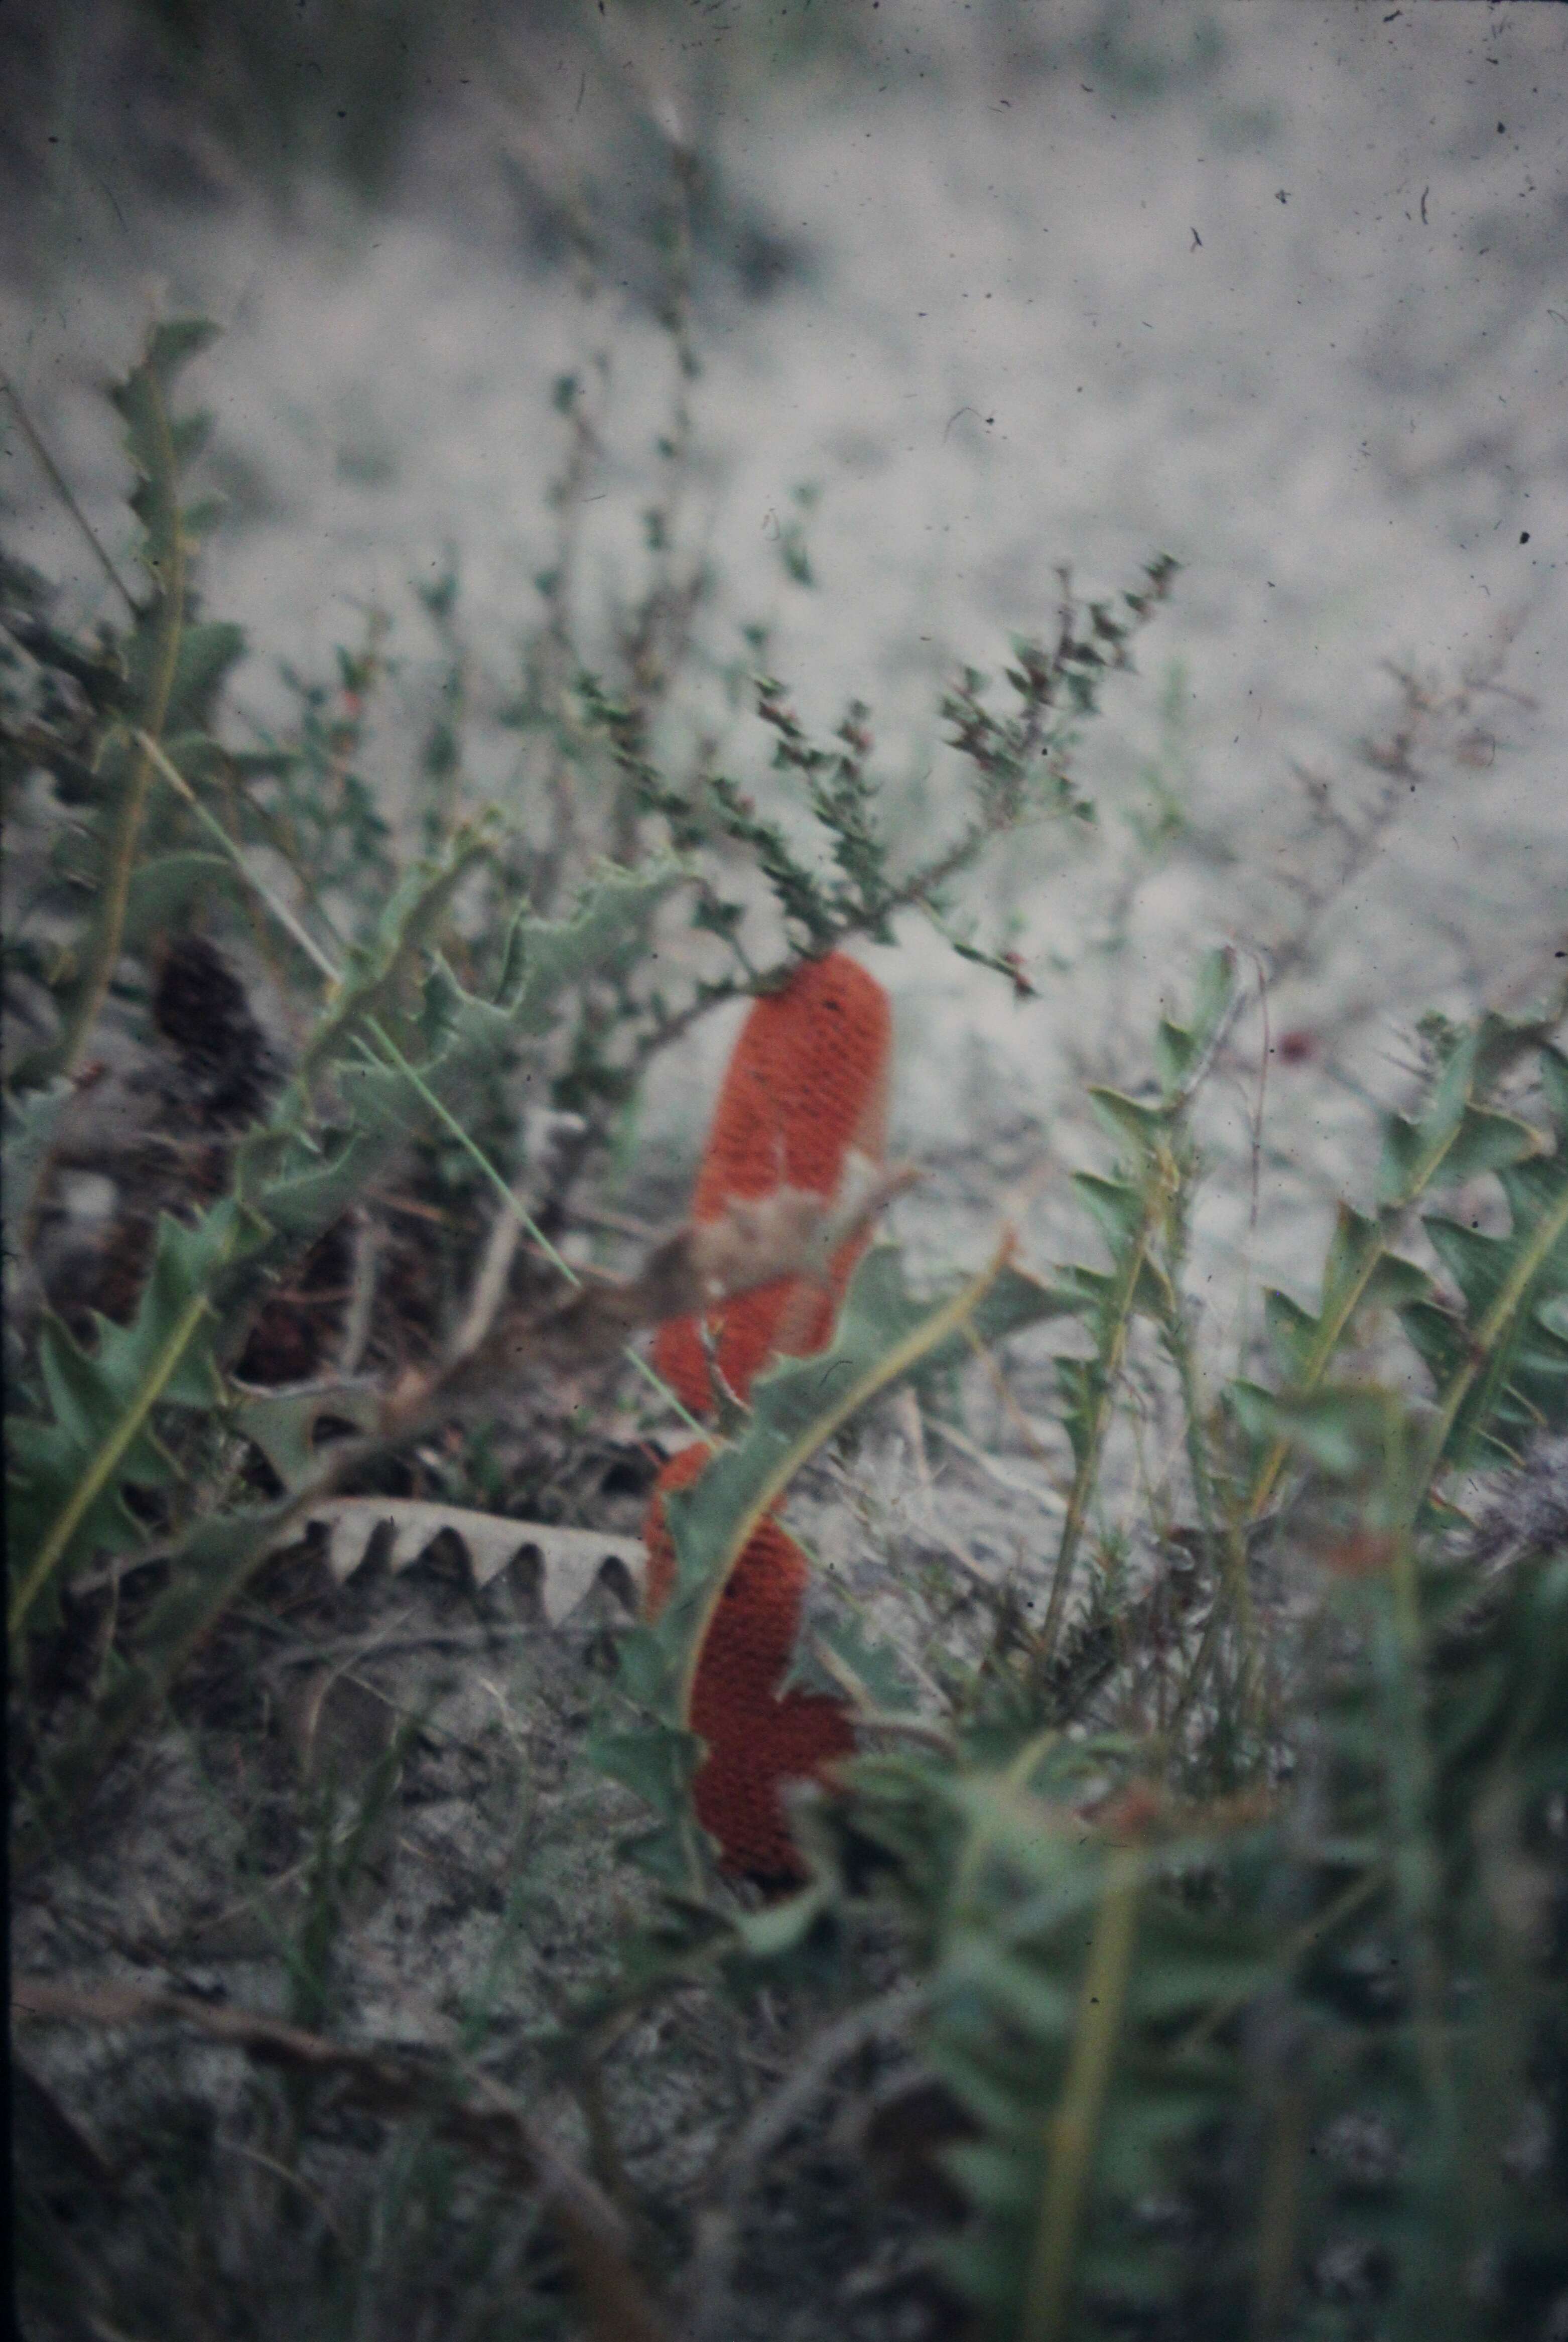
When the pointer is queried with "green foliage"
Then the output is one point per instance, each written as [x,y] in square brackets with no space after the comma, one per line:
[884,1333]
[306,790]
[432,986]
[157,445]
[542,959]
[1453,1140]
[1168,2011]
[73,1467]
[30,1126]
[171,670]
[1020,771]
[1497,1363]
[1140,1211]
[1137,2002]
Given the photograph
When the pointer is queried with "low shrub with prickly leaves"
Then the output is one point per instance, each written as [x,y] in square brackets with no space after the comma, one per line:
[1235,2042]
[436,987]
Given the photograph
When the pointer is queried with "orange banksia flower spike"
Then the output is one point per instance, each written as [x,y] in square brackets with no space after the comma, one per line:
[757,1740]
[806,1084]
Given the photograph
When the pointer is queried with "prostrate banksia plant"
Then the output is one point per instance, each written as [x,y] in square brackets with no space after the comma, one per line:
[805,1089]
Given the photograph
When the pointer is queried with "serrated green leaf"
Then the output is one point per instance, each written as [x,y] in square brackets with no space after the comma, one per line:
[301,1204]
[1536,1396]
[201,517]
[1154,1295]
[1180,1049]
[1359,1273]
[1452,1136]
[656,1761]
[1478,1263]
[1353,1251]
[982,2085]
[769,1934]
[1291,1328]
[1083,1387]
[873,1669]
[1534,1192]
[1499,1372]
[641,1664]
[188,434]
[206,654]
[1086,1291]
[174,342]
[554,955]
[545,958]
[284,1424]
[1012,1301]
[883,1331]
[1486,1141]
[1118,1208]
[1176,1054]
[1212,993]
[1438,1336]
[1358,1268]
[153,439]
[665,1854]
[1124,1120]
[1024,1992]
[71,1468]
[1344,1428]
[1554,1083]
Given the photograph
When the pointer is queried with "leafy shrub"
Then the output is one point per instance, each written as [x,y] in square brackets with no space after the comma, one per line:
[1226,1896]
[1252,2006]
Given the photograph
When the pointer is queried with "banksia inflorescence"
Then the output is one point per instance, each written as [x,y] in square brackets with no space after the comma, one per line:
[806,1086]
[756,1739]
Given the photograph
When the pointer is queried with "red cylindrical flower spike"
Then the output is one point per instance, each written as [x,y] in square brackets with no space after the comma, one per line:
[807,1082]
[757,1740]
